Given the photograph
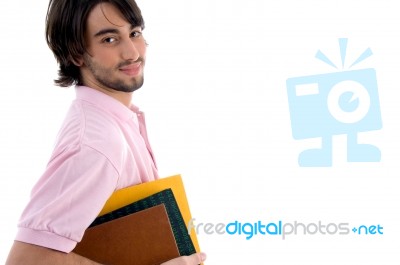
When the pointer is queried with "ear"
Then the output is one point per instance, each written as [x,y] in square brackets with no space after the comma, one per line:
[77,61]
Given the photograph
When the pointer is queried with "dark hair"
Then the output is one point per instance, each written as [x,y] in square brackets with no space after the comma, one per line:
[66,27]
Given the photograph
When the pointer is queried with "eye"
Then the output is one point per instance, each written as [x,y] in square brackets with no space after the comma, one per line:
[136,34]
[109,40]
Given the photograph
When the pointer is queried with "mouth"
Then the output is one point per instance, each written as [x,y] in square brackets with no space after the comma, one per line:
[132,69]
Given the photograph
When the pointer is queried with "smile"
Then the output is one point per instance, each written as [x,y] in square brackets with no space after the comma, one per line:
[132,69]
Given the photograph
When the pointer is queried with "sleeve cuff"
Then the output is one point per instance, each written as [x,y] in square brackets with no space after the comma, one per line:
[45,239]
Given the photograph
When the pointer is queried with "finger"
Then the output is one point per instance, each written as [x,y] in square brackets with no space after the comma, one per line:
[200,257]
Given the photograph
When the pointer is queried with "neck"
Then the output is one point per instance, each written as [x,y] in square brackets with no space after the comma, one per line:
[123,97]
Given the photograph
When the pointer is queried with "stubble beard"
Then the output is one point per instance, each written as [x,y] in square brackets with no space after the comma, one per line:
[104,76]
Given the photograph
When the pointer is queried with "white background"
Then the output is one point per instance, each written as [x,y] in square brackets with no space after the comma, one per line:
[217,112]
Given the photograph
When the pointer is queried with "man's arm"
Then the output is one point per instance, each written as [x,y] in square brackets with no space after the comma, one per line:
[194,259]
[27,254]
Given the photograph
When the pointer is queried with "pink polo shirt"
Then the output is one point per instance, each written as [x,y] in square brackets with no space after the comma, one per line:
[101,147]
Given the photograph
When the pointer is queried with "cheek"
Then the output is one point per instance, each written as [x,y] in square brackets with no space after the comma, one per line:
[105,57]
[142,47]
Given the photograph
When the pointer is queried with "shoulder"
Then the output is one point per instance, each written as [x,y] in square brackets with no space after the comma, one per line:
[90,126]
[85,121]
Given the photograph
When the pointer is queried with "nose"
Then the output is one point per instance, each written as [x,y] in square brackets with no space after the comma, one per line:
[130,50]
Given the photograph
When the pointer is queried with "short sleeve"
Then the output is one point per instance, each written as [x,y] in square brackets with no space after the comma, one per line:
[67,198]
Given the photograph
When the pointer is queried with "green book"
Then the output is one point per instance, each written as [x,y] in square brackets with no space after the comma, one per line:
[166,197]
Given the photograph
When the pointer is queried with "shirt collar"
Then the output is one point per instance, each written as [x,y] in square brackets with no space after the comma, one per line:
[106,103]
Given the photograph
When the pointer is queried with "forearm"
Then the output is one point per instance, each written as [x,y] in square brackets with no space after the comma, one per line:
[27,254]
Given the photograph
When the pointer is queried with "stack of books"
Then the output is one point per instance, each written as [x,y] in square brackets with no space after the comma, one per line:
[143,224]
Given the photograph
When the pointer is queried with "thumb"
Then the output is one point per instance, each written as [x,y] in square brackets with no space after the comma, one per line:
[202,256]
[193,259]
[196,258]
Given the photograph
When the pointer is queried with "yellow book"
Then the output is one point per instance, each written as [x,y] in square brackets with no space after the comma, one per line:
[123,197]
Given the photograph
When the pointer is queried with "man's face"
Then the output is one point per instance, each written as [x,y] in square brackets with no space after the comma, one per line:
[116,51]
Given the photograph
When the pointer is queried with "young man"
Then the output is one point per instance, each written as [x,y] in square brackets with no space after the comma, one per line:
[102,145]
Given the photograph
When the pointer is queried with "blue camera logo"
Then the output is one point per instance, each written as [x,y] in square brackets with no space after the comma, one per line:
[344,102]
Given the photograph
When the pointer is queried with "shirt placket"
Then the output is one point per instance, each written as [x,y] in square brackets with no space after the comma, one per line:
[143,133]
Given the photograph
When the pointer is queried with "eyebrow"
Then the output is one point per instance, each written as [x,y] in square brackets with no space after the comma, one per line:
[111,30]
[106,31]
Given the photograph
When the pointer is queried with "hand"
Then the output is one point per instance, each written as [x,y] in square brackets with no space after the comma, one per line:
[193,259]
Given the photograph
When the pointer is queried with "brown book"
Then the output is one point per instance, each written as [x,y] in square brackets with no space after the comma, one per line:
[142,238]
